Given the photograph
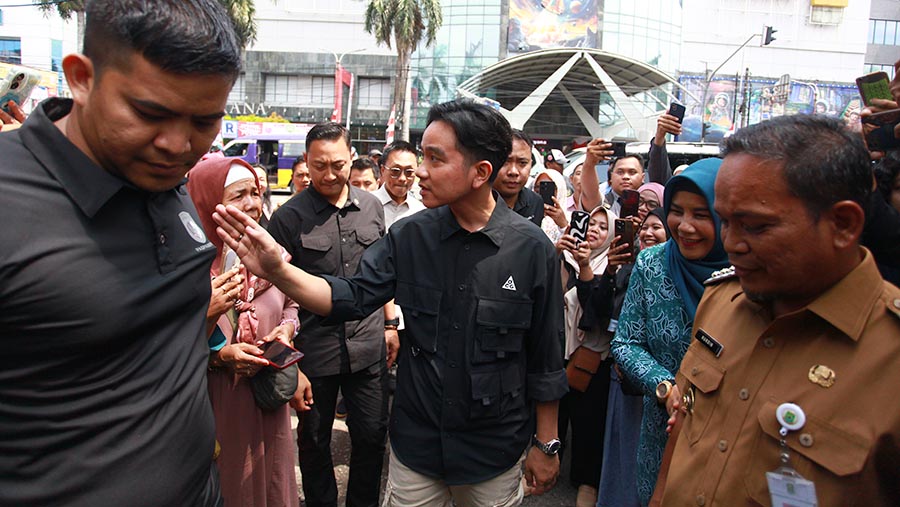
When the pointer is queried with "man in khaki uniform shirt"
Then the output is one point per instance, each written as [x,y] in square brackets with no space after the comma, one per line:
[807,320]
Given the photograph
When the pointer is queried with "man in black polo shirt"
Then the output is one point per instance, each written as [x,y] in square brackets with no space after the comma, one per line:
[104,269]
[482,373]
[511,179]
[326,229]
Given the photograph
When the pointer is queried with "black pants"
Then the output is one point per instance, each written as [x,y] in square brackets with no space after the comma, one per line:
[586,412]
[366,397]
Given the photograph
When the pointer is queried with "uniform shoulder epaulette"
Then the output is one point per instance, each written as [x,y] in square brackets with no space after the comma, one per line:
[720,275]
[893,306]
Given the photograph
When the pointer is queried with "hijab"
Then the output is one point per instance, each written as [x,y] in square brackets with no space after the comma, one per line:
[599,256]
[688,275]
[658,213]
[656,188]
[206,186]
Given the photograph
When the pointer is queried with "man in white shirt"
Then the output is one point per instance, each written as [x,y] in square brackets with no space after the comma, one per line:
[398,172]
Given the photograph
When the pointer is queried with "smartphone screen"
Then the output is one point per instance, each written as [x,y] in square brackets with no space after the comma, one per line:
[618,149]
[874,86]
[580,222]
[624,228]
[229,260]
[630,201]
[547,189]
[280,355]
[677,110]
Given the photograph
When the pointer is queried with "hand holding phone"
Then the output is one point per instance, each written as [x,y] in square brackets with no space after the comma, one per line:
[881,130]
[874,86]
[17,86]
[677,110]
[229,260]
[547,189]
[280,355]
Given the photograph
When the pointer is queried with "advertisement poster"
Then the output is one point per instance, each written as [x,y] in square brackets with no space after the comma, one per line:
[766,98]
[544,24]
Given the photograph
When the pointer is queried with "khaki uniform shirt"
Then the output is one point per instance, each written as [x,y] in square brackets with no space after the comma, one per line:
[850,444]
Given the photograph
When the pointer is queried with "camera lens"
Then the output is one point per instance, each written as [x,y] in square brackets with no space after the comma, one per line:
[20,77]
[14,85]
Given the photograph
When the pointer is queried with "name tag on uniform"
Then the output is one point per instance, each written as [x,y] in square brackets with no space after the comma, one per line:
[791,491]
[711,343]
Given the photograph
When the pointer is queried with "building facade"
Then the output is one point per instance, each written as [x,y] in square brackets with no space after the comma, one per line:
[883,37]
[32,39]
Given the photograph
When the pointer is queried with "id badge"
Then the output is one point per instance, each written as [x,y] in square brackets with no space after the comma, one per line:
[790,489]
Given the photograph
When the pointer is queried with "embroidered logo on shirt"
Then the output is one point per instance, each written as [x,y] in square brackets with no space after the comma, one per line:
[193,230]
[510,284]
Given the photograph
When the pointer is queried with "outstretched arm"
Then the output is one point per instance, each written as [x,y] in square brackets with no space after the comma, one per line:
[262,255]
[597,151]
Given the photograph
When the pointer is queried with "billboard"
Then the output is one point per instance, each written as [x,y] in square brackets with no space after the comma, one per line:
[766,98]
[544,24]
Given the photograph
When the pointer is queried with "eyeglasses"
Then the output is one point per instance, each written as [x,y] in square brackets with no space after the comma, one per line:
[650,205]
[395,172]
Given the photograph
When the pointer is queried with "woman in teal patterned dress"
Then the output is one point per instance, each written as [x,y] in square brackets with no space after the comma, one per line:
[654,328]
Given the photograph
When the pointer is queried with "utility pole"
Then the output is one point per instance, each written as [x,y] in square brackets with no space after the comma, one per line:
[339,83]
[766,36]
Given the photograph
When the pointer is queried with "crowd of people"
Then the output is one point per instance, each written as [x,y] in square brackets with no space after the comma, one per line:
[739,348]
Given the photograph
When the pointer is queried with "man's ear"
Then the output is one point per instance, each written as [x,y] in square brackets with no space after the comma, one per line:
[848,219]
[483,170]
[79,71]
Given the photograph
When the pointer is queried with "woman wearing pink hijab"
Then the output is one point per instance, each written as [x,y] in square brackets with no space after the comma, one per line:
[256,461]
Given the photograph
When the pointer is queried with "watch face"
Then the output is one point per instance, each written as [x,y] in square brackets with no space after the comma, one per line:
[553,446]
[662,390]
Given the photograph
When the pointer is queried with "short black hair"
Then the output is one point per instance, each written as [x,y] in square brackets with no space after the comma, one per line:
[521,135]
[297,161]
[397,146]
[363,163]
[178,36]
[327,131]
[823,162]
[482,133]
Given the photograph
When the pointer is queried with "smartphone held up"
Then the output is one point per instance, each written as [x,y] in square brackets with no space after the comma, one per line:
[17,85]
[580,221]
[624,230]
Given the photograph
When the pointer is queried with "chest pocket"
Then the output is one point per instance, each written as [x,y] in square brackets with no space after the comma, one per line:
[501,329]
[821,452]
[316,256]
[705,378]
[421,307]
[367,235]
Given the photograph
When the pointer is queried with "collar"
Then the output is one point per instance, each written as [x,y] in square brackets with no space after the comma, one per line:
[848,304]
[520,200]
[86,183]
[320,203]
[385,198]
[495,229]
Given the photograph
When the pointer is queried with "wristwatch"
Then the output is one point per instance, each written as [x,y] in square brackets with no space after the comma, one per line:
[663,390]
[551,448]
[392,323]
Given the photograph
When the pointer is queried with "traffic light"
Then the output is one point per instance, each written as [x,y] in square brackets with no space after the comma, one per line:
[768,35]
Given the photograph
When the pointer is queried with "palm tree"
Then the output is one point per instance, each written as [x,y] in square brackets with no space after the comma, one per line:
[407,22]
[242,15]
